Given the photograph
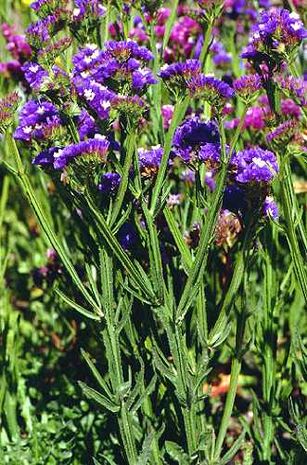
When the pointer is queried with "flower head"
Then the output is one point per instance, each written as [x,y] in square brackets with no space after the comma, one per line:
[37,120]
[109,183]
[270,208]
[247,86]
[8,106]
[254,166]
[197,140]
[213,90]
[178,75]
[34,74]
[149,160]
[277,31]
[92,150]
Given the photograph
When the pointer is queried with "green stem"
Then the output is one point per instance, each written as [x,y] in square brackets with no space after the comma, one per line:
[234,377]
[179,112]
[206,46]
[200,262]
[269,365]
[46,227]
[300,272]
[114,357]
[131,138]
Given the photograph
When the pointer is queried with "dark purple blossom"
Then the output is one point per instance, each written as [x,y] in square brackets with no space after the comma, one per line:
[254,165]
[97,97]
[86,125]
[210,89]
[40,32]
[127,236]
[88,9]
[34,74]
[178,75]
[109,183]
[246,86]
[46,157]
[196,139]
[122,51]
[283,133]
[276,30]
[270,208]
[95,149]
[149,160]
[37,120]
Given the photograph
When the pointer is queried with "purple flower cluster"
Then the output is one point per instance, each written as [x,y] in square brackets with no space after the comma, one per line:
[88,9]
[209,88]
[254,166]
[179,74]
[19,49]
[8,106]
[95,150]
[247,86]
[109,78]
[38,120]
[34,74]
[277,30]
[197,140]
[41,31]
[149,160]
[121,66]
[283,133]
[109,183]
[221,58]
[270,208]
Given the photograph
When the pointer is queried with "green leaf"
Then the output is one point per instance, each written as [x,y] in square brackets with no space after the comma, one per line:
[92,394]
[146,453]
[233,450]
[176,453]
[78,307]
[149,389]
[178,238]
[103,384]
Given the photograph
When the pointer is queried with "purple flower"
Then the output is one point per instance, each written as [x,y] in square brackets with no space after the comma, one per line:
[235,198]
[221,58]
[120,66]
[16,43]
[254,165]
[127,236]
[86,125]
[97,97]
[37,120]
[178,75]
[149,160]
[210,89]
[95,149]
[87,9]
[41,31]
[122,51]
[283,133]
[270,208]
[248,85]
[34,74]
[109,183]
[277,30]
[46,157]
[8,106]
[196,139]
